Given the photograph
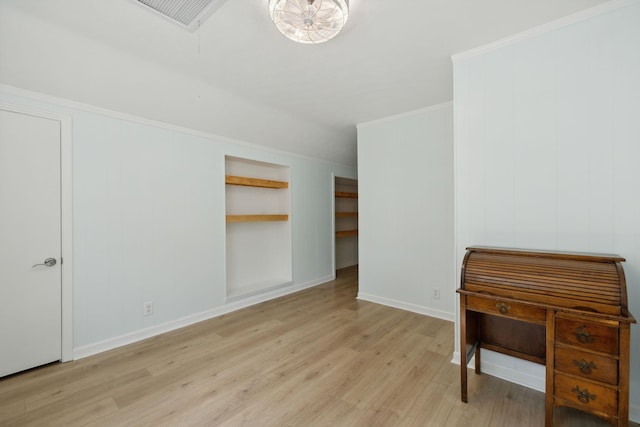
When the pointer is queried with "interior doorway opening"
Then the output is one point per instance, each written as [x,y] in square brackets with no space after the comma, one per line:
[346,223]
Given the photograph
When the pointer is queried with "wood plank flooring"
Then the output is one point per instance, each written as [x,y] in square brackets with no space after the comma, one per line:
[315,358]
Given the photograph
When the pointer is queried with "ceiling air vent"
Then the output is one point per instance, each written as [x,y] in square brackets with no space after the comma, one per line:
[185,13]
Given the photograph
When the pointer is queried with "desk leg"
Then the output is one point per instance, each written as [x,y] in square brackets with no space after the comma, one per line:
[463,349]
[623,363]
[463,378]
[550,336]
[469,344]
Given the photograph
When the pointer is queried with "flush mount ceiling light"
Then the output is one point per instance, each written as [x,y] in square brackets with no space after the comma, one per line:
[309,21]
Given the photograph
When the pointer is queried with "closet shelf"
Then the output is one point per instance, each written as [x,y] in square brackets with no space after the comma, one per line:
[254,182]
[256,218]
[346,214]
[347,194]
[346,233]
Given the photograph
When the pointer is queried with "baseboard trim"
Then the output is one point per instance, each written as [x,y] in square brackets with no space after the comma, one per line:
[634,413]
[346,265]
[420,309]
[142,334]
[513,375]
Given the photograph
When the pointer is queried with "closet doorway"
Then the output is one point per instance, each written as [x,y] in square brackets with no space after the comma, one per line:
[346,222]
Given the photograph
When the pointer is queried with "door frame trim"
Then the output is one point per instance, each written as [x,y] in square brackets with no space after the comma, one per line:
[66,212]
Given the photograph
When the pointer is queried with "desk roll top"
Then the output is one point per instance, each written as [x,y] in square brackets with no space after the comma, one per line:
[588,283]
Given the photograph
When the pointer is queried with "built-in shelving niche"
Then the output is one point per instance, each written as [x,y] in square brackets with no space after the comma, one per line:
[346,222]
[258,204]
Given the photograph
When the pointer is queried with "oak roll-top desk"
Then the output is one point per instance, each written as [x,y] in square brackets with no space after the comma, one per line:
[567,311]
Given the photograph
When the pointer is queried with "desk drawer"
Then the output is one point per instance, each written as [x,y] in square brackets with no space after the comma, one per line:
[587,335]
[509,309]
[587,365]
[586,395]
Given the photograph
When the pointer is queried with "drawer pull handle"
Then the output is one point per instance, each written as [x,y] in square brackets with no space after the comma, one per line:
[583,336]
[503,308]
[584,366]
[583,395]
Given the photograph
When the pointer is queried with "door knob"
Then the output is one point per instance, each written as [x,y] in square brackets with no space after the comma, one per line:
[49,262]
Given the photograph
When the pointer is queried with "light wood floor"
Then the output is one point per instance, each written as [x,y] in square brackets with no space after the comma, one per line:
[315,358]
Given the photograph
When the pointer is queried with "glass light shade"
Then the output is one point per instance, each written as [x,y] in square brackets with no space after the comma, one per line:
[309,21]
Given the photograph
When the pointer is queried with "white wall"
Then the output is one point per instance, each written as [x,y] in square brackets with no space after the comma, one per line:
[547,143]
[405,183]
[149,222]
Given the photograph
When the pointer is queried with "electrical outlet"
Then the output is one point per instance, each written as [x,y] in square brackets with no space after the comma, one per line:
[147,308]
[436,293]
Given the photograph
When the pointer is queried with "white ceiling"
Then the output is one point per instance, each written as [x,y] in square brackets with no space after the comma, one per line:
[238,77]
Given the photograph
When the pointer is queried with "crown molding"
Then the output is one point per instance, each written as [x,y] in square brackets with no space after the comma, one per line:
[88,108]
[545,28]
[435,107]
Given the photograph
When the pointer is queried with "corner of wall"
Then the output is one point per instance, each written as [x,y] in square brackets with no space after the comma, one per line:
[427,311]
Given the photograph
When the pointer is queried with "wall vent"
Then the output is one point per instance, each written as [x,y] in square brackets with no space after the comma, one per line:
[185,13]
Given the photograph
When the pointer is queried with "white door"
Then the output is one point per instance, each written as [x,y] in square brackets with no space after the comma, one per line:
[30,233]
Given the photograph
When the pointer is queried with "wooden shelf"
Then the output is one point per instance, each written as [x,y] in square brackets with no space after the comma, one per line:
[347,194]
[256,218]
[254,182]
[346,214]
[346,233]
